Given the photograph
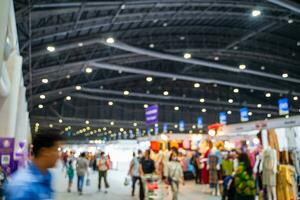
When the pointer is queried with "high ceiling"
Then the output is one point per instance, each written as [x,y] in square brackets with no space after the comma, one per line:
[151,39]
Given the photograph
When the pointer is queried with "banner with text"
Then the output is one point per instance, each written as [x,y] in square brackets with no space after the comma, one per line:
[151,115]
[244,114]
[283,105]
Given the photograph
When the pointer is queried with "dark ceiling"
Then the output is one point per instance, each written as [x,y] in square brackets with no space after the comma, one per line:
[219,34]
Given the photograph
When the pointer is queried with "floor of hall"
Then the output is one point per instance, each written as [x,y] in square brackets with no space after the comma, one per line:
[117,189]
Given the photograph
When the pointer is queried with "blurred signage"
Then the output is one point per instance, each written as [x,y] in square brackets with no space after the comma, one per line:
[223,117]
[181,125]
[165,128]
[283,105]
[199,122]
[244,114]
[151,115]
[7,154]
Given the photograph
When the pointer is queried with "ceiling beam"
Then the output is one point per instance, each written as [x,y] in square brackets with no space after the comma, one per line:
[193,61]
[183,77]
[293,6]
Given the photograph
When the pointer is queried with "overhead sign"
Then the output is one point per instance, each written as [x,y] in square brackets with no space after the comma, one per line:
[223,117]
[283,105]
[244,114]
[181,125]
[151,115]
[165,128]
[199,122]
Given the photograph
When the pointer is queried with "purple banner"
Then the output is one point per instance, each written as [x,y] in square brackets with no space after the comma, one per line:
[7,154]
[151,114]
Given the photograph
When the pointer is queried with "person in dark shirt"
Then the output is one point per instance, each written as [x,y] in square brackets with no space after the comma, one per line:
[147,166]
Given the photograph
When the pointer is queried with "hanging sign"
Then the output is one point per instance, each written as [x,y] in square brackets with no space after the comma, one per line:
[244,114]
[181,125]
[223,117]
[283,105]
[199,122]
[156,130]
[151,114]
[165,128]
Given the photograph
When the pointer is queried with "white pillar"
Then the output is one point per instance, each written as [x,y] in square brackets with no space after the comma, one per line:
[8,110]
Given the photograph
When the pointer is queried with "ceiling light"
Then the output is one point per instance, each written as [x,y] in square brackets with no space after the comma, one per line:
[41,106]
[104,128]
[78,87]
[262,67]
[68,98]
[235,47]
[295,98]
[182,38]
[216,58]
[202,100]
[176,108]
[194,127]
[60,121]
[285,75]
[166,93]
[121,129]
[156,125]
[242,66]
[126,92]
[196,85]
[51,48]
[44,80]
[110,40]
[250,113]
[165,24]
[230,100]
[290,21]
[80,44]
[287,116]
[268,94]
[151,46]
[203,110]
[256,13]
[87,122]
[236,90]
[134,124]
[187,55]
[259,105]
[42,96]
[112,123]
[298,43]
[145,105]
[88,70]
[269,115]
[123,6]
[149,79]
[88,128]
[51,125]
[175,126]
[37,124]
[110,103]
[229,112]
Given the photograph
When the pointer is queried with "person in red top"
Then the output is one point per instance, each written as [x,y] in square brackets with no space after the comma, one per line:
[205,172]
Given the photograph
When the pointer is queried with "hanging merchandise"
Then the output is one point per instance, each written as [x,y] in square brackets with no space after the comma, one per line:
[273,142]
[283,105]
[223,117]
[174,144]
[244,114]
[155,146]
[286,185]
[186,144]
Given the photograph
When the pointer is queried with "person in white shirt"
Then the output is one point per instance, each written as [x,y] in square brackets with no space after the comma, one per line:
[174,174]
[134,170]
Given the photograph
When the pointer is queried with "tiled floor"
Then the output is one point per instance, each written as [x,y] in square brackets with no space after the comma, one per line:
[118,191]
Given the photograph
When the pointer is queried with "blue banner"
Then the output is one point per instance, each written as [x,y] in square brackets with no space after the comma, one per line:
[199,122]
[181,125]
[244,114]
[283,105]
[223,117]
[165,128]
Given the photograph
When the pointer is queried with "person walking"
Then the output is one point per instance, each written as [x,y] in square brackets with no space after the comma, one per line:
[147,166]
[103,166]
[81,170]
[174,174]
[34,181]
[70,174]
[134,171]
[195,161]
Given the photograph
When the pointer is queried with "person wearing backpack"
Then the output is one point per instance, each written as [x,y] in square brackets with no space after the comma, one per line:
[70,174]
[103,166]
[174,174]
